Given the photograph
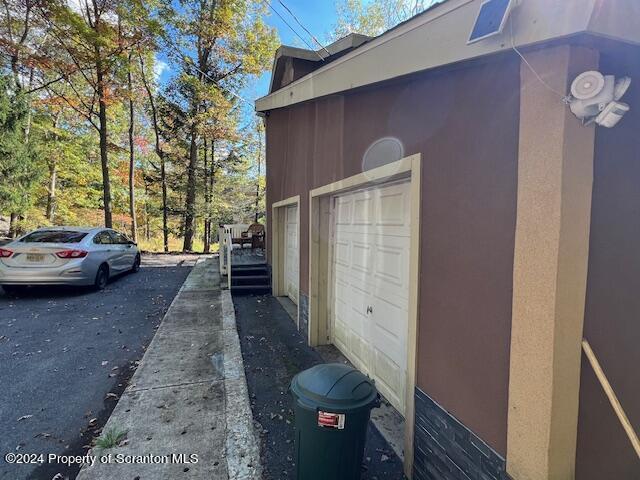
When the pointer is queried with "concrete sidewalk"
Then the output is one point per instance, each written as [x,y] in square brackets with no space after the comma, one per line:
[188,396]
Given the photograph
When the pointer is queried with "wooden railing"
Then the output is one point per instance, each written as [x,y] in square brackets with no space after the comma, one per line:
[611,395]
[235,229]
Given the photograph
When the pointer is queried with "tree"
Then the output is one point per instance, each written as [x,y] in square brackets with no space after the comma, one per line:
[18,171]
[158,149]
[90,46]
[374,17]
[16,28]
[218,43]
[89,135]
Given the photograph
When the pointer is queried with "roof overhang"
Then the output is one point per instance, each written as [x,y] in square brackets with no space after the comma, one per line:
[350,41]
[439,36]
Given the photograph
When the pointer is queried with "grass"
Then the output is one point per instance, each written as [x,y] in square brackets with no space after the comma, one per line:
[175,244]
[111,438]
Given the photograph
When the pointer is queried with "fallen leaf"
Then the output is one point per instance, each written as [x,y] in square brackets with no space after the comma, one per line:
[104,363]
[24,417]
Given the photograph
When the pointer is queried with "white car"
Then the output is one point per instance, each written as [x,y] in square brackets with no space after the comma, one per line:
[66,256]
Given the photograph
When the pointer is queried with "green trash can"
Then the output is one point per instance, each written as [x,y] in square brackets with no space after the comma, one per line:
[332,406]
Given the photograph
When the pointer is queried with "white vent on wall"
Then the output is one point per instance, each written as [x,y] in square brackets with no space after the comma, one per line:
[381,152]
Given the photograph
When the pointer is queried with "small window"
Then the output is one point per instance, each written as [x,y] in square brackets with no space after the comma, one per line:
[119,238]
[53,236]
[103,238]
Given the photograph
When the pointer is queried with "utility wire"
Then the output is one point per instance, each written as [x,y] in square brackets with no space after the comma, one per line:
[268,3]
[565,98]
[189,60]
[303,27]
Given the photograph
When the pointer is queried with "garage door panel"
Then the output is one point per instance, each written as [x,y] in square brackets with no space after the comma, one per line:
[385,371]
[343,211]
[392,344]
[361,258]
[342,252]
[291,258]
[358,300]
[392,208]
[341,335]
[390,264]
[363,207]
[360,349]
[370,277]
[388,317]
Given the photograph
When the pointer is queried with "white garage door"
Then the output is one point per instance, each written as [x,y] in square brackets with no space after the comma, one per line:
[370,281]
[291,253]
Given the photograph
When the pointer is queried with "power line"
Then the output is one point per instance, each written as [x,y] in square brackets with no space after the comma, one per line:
[268,3]
[303,27]
[189,60]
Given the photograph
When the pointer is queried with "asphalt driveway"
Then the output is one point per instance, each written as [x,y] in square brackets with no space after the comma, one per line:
[66,354]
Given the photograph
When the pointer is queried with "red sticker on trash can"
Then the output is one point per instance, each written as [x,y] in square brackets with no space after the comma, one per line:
[331,420]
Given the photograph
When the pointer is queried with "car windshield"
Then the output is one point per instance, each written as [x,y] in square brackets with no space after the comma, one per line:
[54,236]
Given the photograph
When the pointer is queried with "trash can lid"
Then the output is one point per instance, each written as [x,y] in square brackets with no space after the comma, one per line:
[334,385]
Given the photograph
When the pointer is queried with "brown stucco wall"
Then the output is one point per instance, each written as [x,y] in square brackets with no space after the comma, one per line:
[613,302]
[464,122]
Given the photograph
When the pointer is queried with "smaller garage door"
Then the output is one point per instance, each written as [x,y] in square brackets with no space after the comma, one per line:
[291,253]
[370,281]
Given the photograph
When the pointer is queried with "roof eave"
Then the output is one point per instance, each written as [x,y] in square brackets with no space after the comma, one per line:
[439,37]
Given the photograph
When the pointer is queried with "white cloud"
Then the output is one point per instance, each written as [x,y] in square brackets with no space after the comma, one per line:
[159,67]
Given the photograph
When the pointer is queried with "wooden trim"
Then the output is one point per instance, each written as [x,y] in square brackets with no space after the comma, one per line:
[278,219]
[611,395]
[416,45]
[319,251]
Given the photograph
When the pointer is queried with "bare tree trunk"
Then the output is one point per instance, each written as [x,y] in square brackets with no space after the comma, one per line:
[53,176]
[160,153]
[207,202]
[165,225]
[13,225]
[190,203]
[147,226]
[51,194]
[132,172]
[104,155]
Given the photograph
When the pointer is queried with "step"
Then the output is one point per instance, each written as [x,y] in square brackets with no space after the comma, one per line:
[250,280]
[248,266]
[250,289]
[249,271]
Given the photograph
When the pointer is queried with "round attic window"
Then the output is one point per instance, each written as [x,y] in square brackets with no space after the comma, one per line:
[381,152]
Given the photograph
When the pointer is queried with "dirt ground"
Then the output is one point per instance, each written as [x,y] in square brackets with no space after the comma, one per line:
[274,351]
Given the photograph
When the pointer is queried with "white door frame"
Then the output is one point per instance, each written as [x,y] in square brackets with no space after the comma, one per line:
[320,217]
[278,244]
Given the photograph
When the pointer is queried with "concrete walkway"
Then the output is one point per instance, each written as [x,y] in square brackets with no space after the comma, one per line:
[188,396]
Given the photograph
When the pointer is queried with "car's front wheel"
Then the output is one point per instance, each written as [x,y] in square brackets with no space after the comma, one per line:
[102,277]
[14,289]
[136,264]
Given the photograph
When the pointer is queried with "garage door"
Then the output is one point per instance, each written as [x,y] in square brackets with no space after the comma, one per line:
[291,253]
[370,283]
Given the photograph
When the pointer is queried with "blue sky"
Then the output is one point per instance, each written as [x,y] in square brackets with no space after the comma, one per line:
[317,16]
